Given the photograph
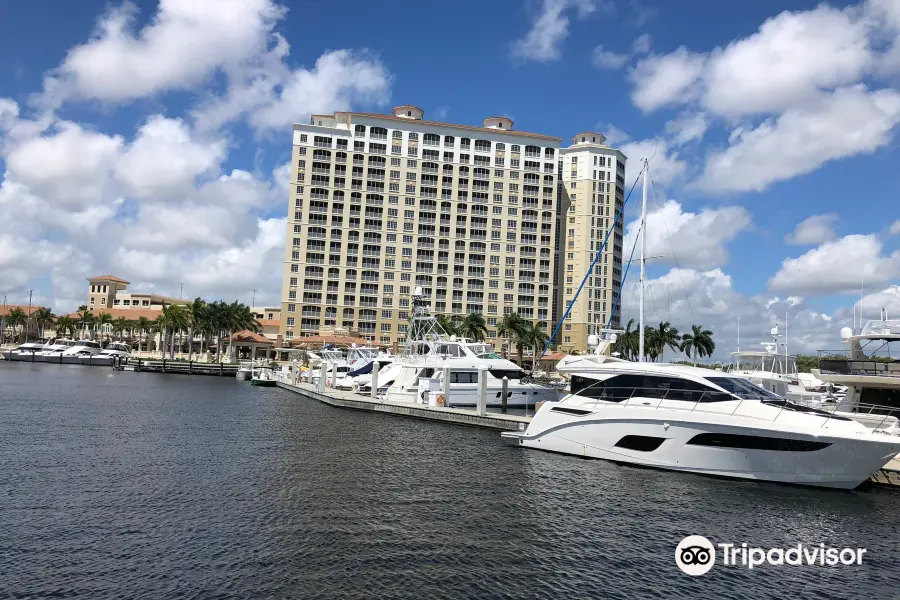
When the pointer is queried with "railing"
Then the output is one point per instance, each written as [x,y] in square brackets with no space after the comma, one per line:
[692,400]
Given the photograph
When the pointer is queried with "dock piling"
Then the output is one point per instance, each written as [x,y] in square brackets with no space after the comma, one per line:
[504,392]
[324,373]
[375,380]
[445,385]
[482,392]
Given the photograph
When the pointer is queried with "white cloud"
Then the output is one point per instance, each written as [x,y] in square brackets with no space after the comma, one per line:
[816,229]
[182,46]
[549,29]
[870,305]
[690,239]
[603,59]
[837,266]
[850,121]
[663,79]
[72,165]
[665,165]
[687,127]
[339,79]
[687,297]
[789,60]
[641,44]
[164,161]
[895,228]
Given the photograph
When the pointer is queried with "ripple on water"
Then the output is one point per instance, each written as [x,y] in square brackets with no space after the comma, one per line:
[158,486]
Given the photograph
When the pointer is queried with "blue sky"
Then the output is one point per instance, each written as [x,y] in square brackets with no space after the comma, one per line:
[146,139]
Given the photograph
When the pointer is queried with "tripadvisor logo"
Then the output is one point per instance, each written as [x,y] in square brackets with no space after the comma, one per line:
[696,555]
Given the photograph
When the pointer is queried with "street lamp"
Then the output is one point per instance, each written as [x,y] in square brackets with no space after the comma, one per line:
[252,304]
[181,293]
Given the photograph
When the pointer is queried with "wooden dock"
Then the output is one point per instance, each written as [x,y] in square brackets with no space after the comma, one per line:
[457,416]
[181,367]
[889,474]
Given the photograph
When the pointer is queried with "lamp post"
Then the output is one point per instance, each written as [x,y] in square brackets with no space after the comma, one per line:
[181,293]
[252,304]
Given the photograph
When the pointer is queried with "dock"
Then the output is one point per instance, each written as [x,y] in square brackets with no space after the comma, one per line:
[889,474]
[181,367]
[457,416]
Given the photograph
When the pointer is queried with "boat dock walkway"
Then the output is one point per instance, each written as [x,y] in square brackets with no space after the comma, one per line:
[458,416]
[183,367]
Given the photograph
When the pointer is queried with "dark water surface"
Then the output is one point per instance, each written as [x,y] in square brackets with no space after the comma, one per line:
[138,485]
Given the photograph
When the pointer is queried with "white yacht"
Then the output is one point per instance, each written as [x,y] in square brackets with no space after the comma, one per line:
[55,348]
[82,348]
[701,421]
[870,371]
[28,351]
[417,375]
[116,350]
[778,374]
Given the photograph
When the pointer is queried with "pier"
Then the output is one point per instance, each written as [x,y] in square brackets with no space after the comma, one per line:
[181,367]
[457,416]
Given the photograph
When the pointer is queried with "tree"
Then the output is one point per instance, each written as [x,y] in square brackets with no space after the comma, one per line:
[196,313]
[17,318]
[698,343]
[104,320]
[174,318]
[448,324]
[511,325]
[85,319]
[534,336]
[65,326]
[666,335]
[143,325]
[120,326]
[473,327]
[626,343]
[43,317]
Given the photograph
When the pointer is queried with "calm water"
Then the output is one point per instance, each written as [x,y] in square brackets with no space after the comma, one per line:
[137,485]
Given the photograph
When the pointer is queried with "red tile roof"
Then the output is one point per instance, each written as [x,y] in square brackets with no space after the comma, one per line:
[107,278]
[269,322]
[248,336]
[132,314]
[5,309]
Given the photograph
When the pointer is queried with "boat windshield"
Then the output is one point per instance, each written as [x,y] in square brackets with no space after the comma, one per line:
[759,362]
[743,388]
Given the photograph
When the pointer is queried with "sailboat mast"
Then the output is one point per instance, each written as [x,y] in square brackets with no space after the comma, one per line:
[643,255]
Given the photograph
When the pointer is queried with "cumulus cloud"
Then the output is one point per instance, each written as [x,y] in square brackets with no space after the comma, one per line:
[549,28]
[666,165]
[813,230]
[690,239]
[688,297]
[687,127]
[604,59]
[838,266]
[159,193]
[847,122]
[895,228]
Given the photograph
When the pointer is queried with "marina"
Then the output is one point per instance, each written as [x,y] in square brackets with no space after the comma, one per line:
[183,485]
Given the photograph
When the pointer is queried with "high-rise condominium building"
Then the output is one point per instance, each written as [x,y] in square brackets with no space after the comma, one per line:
[381,204]
[592,181]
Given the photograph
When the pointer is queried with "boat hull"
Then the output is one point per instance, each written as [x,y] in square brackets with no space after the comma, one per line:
[263,382]
[842,462]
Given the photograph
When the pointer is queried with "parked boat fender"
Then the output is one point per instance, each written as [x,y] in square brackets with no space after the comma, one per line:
[441,400]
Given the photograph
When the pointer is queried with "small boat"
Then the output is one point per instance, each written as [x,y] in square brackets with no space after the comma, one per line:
[263,376]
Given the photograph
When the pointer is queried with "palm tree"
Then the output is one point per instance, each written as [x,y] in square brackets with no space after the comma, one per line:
[17,318]
[666,335]
[120,326]
[174,318]
[448,324]
[143,325]
[627,342]
[473,327]
[511,326]
[43,317]
[534,336]
[104,319]
[196,313]
[85,318]
[698,343]
[65,326]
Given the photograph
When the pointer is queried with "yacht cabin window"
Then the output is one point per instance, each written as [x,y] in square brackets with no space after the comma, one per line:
[463,376]
[622,387]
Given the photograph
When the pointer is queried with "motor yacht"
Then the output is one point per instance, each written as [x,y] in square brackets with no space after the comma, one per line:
[53,351]
[28,351]
[869,368]
[429,355]
[778,374]
[701,421]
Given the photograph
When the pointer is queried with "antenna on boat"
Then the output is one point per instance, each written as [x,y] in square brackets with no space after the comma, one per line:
[643,231]
[739,333]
